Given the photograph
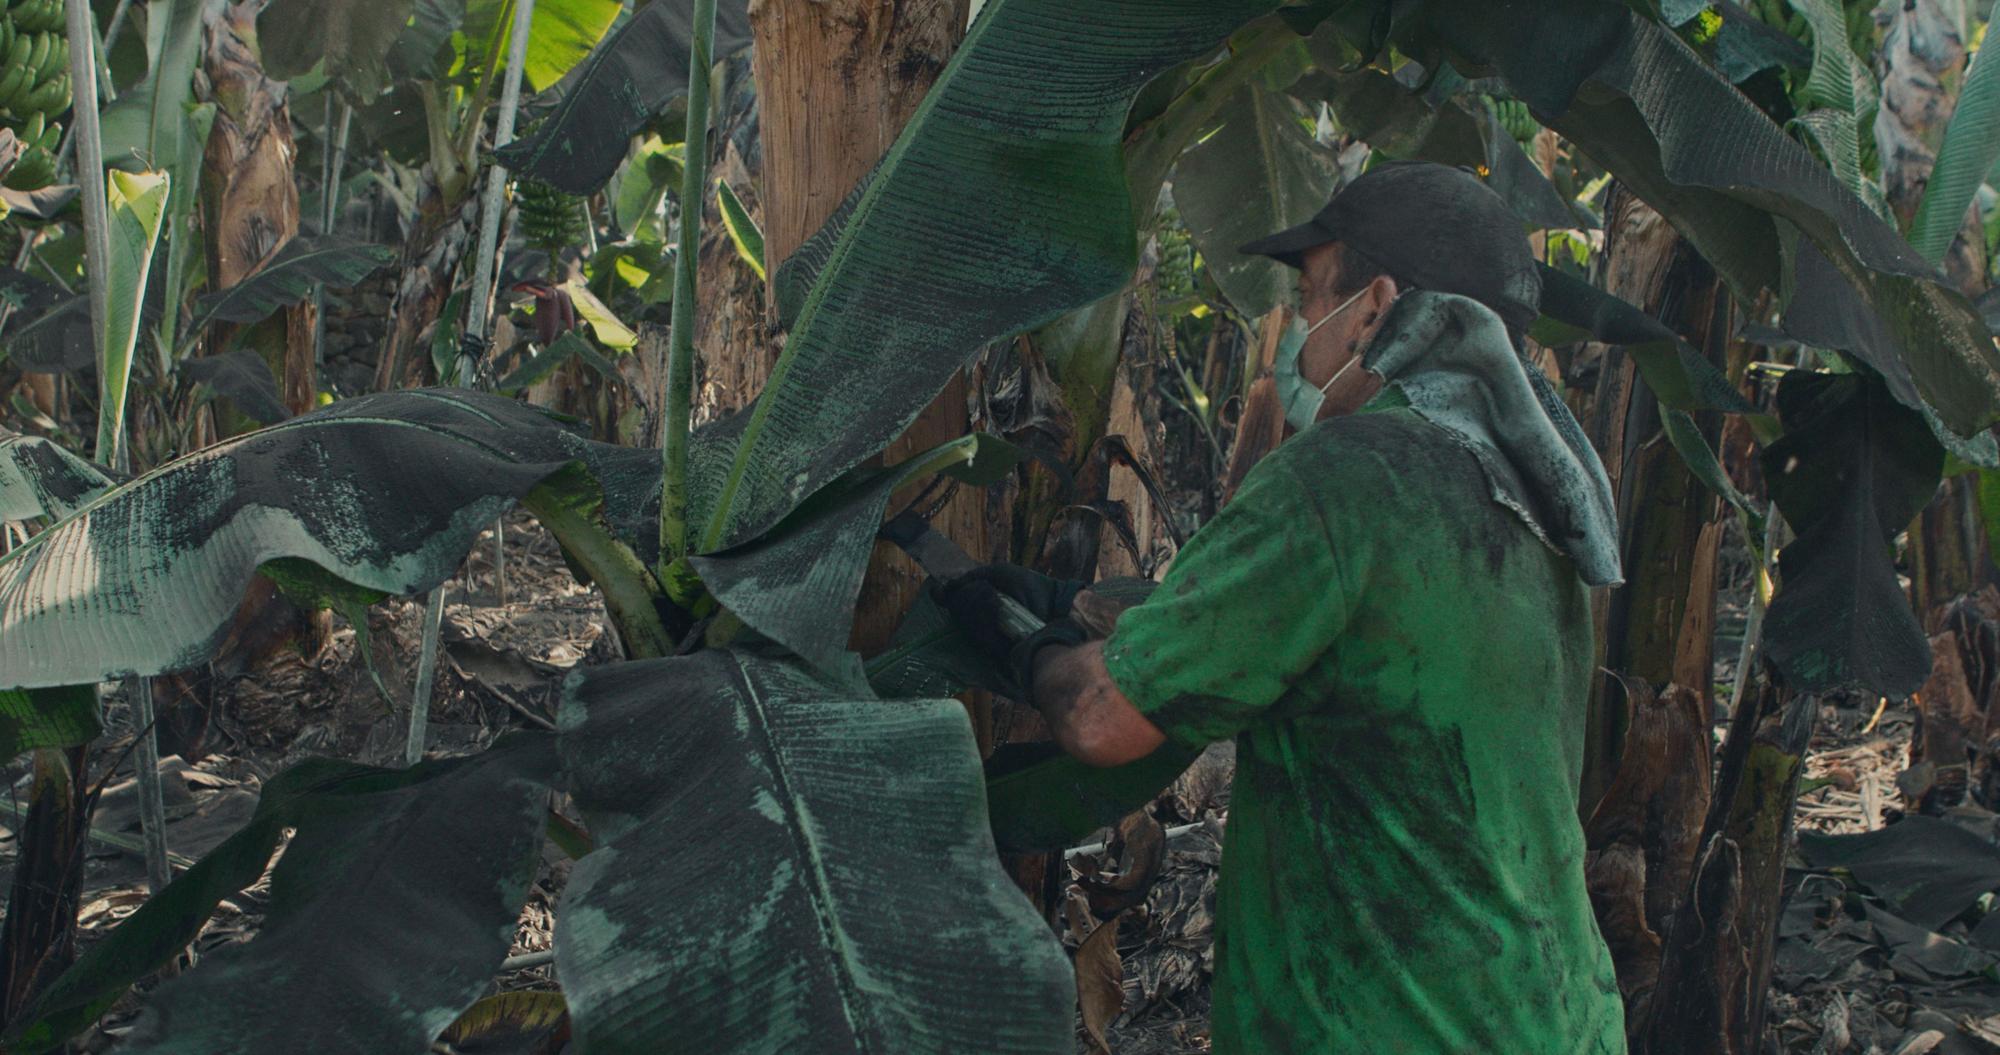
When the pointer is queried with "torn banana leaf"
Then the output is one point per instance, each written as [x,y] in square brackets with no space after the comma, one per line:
[384,493]
[1669,126]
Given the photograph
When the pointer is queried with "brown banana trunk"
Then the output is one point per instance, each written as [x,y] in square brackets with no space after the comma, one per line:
[1721,942]
[38,938]
[1652,628]
[250,200]
[836,82]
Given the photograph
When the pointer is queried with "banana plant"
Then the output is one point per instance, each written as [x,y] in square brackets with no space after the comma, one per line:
[780,784]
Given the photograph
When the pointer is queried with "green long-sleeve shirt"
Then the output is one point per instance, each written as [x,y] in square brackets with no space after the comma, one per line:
[1404,667]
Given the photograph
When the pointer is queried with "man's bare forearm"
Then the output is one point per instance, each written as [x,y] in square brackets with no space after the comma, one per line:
[1091,719]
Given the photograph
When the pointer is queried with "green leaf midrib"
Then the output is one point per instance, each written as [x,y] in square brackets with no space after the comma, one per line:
[818,887]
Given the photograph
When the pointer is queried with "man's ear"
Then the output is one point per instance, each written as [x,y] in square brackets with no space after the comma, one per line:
[1380,294]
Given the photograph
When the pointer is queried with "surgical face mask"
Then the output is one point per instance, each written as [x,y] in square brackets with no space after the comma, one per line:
[1300,399]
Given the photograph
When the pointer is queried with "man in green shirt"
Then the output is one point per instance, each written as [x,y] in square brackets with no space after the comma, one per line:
[1391,618]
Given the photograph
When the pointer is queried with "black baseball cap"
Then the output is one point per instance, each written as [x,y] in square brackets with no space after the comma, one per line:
[1430,226]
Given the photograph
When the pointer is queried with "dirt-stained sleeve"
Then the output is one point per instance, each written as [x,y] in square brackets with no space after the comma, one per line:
[1251,603]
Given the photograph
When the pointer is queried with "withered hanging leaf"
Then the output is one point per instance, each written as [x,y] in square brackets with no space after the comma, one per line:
[1851,471]
[1100,983]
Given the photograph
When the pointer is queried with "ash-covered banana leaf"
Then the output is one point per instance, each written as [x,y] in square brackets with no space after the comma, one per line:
[628,79]
[1852,470]
[393,905]
[1026,121]
[788,866]
[797,584]
[41,478]
[1646,107]
[383,494]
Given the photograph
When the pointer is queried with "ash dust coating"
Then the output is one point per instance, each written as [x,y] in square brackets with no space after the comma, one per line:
[40,479]
[1404,666]
[759,848]
[385,492]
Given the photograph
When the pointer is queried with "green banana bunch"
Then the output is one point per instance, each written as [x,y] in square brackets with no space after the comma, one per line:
[37,16]
[1515,118]
[550,219]
[1174,272]
[34,76]
[36,167]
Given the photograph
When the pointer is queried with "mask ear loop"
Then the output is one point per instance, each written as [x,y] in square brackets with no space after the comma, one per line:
[1336,374]
[1329,315]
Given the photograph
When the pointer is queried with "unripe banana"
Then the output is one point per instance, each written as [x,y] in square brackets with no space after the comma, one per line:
[57,60]
[50,97]
[33,171]
[11,84]
[38,55]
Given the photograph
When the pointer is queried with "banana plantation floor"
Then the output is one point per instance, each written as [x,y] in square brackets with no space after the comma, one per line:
[1851,976]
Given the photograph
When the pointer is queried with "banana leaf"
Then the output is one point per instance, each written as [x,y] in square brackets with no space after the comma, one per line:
[353,37]
[1853,468]
[290,276]
[137,207]
[39,478]
[796,585]
[1026,121]
[1971,146]
[1258,170]
[242,376]
[384,493]
[561,34]
[789,866]
[1676,132]
[37,718]
[626,81]
[391,908]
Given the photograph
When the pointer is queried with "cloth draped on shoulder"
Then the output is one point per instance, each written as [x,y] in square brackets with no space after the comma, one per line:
[1450,357]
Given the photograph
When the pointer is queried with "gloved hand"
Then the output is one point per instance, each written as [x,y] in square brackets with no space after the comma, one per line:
[974,602]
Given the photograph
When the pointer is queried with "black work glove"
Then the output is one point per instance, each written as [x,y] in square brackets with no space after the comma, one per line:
[974,602]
